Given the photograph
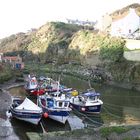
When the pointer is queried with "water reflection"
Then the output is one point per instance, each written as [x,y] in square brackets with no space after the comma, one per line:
[121,106]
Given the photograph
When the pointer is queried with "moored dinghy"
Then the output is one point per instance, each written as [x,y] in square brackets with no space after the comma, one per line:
[25,110]
[87,102]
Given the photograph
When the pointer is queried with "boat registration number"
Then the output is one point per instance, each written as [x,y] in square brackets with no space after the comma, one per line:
[93,108]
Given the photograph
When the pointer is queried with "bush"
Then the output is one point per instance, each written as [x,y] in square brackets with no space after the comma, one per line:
[111,49]
[5,74]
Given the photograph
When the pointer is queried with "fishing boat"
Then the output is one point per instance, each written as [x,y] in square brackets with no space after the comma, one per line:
[48,84]
[87,102]
[56,105]
[31,84]
[37,91]
[34,87]
[25,110]
[51,85]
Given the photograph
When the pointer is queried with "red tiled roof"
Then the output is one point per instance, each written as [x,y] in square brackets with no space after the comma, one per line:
[14,58]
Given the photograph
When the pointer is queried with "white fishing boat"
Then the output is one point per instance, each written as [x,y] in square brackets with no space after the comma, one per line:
[31,84]
[56,105]
[25,110]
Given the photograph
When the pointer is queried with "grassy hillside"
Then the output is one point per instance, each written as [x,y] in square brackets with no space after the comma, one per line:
[51,39]
[16,43]
[44,43]
[84,41]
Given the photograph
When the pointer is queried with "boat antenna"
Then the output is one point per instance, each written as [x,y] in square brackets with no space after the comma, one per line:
[89,83]
[90,87]
[59,78]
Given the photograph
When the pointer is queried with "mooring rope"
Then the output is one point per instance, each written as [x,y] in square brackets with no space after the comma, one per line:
[86,117]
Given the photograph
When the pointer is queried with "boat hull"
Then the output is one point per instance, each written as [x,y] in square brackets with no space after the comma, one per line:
[86,109]
[33,118]
[58,115]
[61,119]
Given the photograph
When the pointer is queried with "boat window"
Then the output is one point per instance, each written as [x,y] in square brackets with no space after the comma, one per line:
[96,97]
[33,83]
[80,98]
[60,104]
[92,98]
[43,102]
[65,104]
[50,103]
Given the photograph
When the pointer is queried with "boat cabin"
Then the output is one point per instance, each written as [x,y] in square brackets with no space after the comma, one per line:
[55,100]
[91,96]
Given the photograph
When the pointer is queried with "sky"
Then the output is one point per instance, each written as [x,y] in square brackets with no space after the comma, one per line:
[22,15]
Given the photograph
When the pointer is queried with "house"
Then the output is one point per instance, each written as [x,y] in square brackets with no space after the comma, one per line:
[11,59]
[104,23]
[15,61]
[127,25]
[80,22]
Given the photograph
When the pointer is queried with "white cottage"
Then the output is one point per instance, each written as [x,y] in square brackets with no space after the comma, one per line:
[127,25]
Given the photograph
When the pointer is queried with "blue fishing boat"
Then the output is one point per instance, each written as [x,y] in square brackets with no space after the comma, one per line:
[87,102]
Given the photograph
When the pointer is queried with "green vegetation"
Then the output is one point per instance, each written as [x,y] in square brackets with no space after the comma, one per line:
[67,69]
[78,133]
[5,73]
[106,131]
[137,138]
[111,49]
[84,41]
[51,40]
[131,139]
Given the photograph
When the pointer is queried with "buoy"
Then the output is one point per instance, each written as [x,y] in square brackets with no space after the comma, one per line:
[45,115]
[74,93]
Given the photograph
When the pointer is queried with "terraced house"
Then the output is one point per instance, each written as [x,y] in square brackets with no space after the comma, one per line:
[14,61]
